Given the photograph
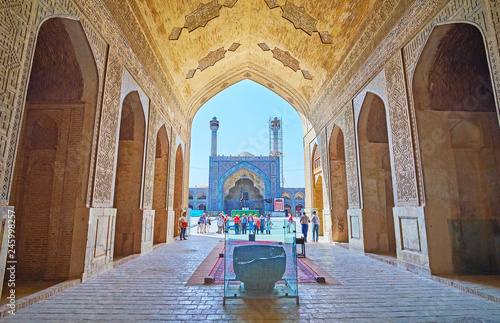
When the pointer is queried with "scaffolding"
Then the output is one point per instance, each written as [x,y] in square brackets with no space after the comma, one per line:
[276,142]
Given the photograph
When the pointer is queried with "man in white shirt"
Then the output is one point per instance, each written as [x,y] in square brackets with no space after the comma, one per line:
[315,223]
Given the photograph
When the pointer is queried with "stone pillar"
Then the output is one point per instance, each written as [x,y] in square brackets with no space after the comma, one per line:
[100,242]
[345,121]
[148,220]
[409,219]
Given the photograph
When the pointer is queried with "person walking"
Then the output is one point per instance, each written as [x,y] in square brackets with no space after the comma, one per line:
[220,223]
[315,223]
[257,225]
[304,221]
[209,223]
[184,224]
[289,224]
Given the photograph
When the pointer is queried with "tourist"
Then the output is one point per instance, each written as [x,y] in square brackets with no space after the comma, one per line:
[236,220]
[268,224]
[198,228]
[304,221]
[244,221]
[209,223]
[203,220]
[257,225]
[250,223]
[315,223]
[184,224]
[262,224]
[220,223]
[290,223]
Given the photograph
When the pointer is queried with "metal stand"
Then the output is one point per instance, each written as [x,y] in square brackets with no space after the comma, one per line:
[300,241]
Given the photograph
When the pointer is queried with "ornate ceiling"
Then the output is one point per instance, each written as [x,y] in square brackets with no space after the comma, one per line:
[293,47]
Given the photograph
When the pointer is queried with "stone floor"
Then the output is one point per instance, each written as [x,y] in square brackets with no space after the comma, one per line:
[151,288]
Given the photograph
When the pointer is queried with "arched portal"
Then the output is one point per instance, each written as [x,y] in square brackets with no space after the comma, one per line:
[338,182]
[53,160]
[376,180]
[460,151]
[160,187]
[178,186]
[317,186]
[244,193]
[128,228]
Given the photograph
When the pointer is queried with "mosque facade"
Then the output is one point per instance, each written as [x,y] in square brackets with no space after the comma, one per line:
[245,180]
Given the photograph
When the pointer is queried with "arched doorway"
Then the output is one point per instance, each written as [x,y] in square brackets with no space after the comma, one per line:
[128,228]
[178,186]
[317,186]
[244,193]
[338,182]
[53,159]
[460,151]
[160,187]
[202,207]
[376,180]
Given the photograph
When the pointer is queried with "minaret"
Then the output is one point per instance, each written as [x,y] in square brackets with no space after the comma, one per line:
[275,127]
[214,126]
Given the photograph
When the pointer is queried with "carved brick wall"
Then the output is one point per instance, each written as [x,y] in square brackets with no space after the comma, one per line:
[456,11]
[400,136]
[149,173]
[345,121]
[22,22]
[105,166]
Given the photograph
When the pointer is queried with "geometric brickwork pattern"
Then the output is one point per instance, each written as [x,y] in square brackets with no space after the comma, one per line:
[401,145]
[201,16]
[105,165]
[345,121]
[300,19]
[18,33]
[149,172]
[376,86]
[120,28]
[287,59]
[336,92]
[211,58]
[14,31]
[325,167]
[455,11]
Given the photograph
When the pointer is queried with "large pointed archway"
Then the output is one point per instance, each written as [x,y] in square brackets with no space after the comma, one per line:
[53,161]
[338,182]
[376,180]
[178,188]
[458,131]
[128,229]
[160,186]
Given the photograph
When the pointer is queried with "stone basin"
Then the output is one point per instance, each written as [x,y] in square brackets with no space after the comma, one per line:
[259,267]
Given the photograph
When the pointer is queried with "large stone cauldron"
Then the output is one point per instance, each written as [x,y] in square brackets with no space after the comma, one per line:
[259,266]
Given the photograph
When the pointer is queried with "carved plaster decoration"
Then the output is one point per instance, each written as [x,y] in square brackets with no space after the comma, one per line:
[300,19]
[287,59]
[211,58]
[201,16]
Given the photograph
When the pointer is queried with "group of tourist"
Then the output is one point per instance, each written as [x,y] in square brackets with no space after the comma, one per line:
[304,221]
[204,223]
[252,224]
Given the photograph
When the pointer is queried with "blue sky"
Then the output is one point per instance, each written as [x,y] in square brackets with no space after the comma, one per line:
[243,111]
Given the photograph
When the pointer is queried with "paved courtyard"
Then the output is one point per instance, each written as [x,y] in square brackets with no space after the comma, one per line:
[151,288]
